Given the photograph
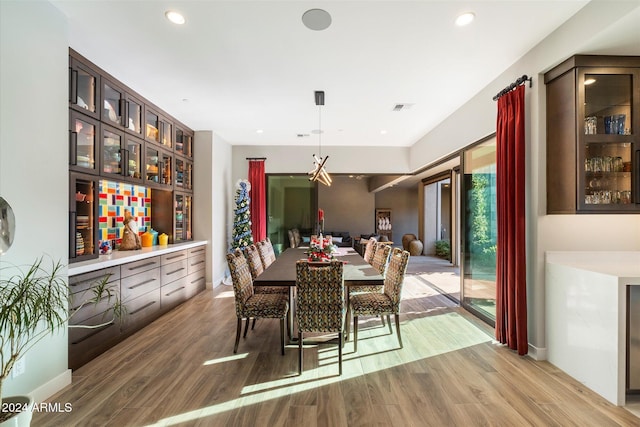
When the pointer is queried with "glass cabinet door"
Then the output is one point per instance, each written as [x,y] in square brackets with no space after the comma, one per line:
[183,142]
[152,123]
[184,170]
[83,218]
[607,149]
[84,90]
[112,104]
[183,216]
[83,143]
[151,165]
[166,169]
[112,148]
[166,133]
[133,159]
[133,115]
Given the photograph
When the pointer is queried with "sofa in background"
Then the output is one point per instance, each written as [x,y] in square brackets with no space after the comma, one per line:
[341,239]
[299,238]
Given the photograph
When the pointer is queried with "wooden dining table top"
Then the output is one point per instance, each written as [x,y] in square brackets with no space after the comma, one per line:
[283,270]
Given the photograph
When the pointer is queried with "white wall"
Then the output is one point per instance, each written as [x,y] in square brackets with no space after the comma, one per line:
[595,25]
[34,158]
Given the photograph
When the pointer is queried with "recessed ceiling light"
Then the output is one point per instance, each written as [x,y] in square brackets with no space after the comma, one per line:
[383,132]
[259,130]
[588,82]
[175,17]
[465,19]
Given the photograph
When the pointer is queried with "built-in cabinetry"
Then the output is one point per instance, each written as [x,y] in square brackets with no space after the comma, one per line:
[116,134]
[148,285]
[593,149]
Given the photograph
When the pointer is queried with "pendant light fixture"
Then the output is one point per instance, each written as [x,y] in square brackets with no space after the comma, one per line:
[319,173]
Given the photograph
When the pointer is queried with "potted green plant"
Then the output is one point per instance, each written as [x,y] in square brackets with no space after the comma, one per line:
[34,303]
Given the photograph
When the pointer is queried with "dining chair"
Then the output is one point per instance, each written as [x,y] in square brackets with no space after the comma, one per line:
[370,249]
[256,266]
[320,302]
[385,303]
[381,257]
[252,305]
[267,254]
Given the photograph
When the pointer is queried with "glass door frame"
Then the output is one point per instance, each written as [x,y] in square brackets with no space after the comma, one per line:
[463,217]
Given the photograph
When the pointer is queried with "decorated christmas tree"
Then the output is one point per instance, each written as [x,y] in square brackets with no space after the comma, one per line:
[242,221]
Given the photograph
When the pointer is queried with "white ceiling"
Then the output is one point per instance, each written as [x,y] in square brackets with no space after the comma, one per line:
[239,66]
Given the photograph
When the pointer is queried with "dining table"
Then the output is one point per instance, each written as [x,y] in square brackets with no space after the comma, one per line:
[282,272]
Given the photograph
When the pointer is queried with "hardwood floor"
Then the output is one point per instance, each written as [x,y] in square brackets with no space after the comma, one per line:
[181,370]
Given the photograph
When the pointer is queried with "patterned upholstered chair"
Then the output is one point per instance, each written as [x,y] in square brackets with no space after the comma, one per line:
[267,254]
[381,257]
[385,303]
[250,305]
[256,265]
[320,302]
[370,250]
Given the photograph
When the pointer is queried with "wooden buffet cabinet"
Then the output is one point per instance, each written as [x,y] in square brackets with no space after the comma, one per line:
[150,282]
[593,123]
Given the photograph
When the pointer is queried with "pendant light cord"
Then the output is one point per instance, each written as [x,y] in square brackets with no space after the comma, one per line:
[320,131]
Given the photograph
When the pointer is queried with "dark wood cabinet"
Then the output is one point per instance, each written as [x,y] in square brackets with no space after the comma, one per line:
[84,87]
[83,217]
[593,149]
[116,134]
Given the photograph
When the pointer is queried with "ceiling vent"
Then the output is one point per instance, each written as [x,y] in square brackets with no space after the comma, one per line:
[401,107]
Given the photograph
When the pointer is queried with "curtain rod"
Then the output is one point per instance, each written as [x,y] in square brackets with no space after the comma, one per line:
[512,86]
[256,158]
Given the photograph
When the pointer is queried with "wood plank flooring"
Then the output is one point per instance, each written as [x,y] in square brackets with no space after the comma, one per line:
[181,371]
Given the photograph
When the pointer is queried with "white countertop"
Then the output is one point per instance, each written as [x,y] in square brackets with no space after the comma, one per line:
[621,264]
[122,257]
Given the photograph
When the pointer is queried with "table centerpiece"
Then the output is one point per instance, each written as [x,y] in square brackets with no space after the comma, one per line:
[321,249]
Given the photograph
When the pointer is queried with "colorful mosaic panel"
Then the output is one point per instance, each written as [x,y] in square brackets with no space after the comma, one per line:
[115,199]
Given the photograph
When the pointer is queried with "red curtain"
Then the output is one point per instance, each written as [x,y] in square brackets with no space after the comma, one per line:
[258,206]
[511,299]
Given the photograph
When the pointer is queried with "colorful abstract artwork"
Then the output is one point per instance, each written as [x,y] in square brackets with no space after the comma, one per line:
[115,198]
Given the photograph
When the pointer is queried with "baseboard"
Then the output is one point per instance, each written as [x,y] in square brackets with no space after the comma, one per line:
[537,353]
[51,387]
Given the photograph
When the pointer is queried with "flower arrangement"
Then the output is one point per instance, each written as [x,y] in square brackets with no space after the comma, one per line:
[320,221]
[321,249]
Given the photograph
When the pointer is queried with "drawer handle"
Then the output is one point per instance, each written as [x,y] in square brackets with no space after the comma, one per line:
[196,263]
[197,280]
[195,251]
[94,303]
[149,304]
[173,292]
[97,330]
[142,265]
[175,256]
[174,271]
[142,283]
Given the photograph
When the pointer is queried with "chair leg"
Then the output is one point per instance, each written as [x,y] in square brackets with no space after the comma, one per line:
[355,334]
[382,319]
[397,315]
[389,322]
[340,337]
[346,335]
[238,330]
[299,353]
[246,327]
[282,335]
[253,325]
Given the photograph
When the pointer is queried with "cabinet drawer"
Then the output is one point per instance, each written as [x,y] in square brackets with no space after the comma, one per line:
[174,293]
[84,281]
[134,286]
[144,306]
[197,250]
[93,343]
[78,335]
[88,310]
[173,271]
[196,282]
[174,257]
[197,263]
[139,266]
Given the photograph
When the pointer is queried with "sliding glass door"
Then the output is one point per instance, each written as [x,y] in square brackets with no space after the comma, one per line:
[479,229]
[291,199]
